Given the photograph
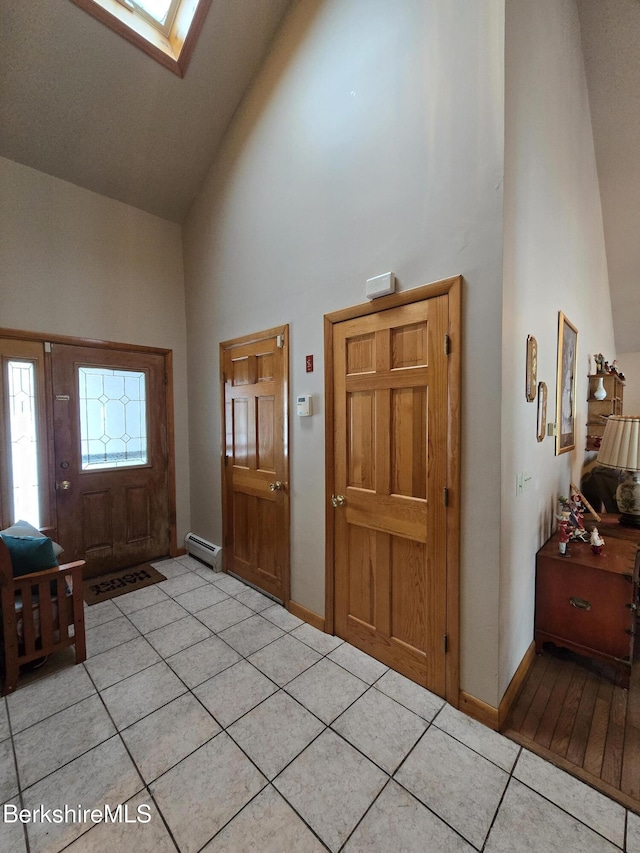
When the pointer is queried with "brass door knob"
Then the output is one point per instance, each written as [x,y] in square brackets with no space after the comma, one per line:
[277,486]
[338,500]
[65,485]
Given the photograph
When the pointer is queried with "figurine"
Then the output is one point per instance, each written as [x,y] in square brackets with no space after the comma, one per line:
[571,513]
[599,360]
[615,369]
[563,536]
[596,541]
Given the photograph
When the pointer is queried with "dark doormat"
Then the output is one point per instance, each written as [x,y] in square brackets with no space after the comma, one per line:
[117,583]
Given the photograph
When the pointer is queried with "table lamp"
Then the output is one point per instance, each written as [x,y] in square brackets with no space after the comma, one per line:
[620,449]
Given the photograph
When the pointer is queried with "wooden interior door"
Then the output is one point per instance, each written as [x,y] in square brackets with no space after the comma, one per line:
[255,484]
[390,474]
[112,490]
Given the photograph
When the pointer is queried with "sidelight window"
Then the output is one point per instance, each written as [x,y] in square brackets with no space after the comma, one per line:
[23,440]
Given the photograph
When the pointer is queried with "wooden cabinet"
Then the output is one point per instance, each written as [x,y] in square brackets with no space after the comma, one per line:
[611,405]
[587,603]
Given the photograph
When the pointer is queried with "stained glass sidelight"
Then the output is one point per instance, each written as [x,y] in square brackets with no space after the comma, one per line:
[113,418]
[24,440]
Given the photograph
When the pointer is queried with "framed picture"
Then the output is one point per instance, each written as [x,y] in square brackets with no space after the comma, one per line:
[542,411]
[532,369]
[566,387]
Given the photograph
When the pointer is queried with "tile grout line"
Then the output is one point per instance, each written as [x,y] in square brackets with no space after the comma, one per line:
[500,801]
[568,813]
[255,797]
[145,786]
[15,764]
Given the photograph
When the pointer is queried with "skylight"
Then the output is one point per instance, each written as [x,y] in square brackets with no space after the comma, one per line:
[156,8]
[159,13]
[166,30]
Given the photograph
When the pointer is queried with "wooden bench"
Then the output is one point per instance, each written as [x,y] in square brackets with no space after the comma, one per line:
[41,613]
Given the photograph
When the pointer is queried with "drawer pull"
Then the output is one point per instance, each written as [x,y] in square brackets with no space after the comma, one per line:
[580,603]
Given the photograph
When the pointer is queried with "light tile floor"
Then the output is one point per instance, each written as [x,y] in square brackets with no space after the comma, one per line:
[239,728]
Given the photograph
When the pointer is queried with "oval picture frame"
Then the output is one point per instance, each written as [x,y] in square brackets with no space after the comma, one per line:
[532,369]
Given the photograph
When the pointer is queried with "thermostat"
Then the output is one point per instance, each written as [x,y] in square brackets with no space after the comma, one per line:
[303,405]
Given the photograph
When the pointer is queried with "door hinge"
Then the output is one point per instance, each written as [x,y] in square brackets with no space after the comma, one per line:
[279,341]
[48,346]
[445,496]
[445,643]
[447,345]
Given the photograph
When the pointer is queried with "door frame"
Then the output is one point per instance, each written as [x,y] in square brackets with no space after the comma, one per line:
[225,481]
[44,338]
[453,288]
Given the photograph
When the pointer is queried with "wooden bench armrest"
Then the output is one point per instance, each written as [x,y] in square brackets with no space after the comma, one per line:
[73,569]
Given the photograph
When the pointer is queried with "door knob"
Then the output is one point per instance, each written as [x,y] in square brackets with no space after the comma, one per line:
[338,500]
[277,486]
[65,485]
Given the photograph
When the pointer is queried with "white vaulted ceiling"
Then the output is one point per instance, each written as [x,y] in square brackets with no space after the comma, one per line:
[80,102]
[611,45]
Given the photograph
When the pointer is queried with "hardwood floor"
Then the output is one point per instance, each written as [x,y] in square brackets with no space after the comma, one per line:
[570,712]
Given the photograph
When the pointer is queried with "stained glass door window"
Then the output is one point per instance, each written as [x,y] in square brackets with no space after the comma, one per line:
[113,417]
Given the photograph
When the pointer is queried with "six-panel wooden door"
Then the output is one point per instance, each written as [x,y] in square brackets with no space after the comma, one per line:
[255,471]
[390,428]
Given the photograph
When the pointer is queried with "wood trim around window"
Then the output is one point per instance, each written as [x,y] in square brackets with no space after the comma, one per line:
[172,52]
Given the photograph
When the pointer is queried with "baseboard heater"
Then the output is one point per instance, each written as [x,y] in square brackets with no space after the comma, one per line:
[203,550]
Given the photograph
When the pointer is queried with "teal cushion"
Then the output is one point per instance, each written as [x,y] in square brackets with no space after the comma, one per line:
[23,528]
[30,554]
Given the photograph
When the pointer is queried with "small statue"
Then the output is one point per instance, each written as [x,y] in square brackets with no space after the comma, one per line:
[599,360]
[596,541]
[615,369]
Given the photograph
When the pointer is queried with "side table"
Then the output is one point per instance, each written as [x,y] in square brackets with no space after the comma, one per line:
[587,602]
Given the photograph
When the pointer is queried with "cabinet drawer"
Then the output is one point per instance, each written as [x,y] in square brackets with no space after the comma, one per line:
[585,606]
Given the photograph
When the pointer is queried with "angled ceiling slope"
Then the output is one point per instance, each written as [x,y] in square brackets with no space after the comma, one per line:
[611,46]
[81,103]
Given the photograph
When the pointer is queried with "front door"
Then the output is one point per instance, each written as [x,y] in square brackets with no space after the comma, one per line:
[390,473]
[111,456]
[255,471]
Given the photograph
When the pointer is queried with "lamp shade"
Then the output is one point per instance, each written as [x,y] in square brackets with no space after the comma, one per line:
[620,446]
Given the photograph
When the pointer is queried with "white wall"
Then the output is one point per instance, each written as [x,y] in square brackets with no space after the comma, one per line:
[629,364]
[554,260]
[76,263]
[372,140]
